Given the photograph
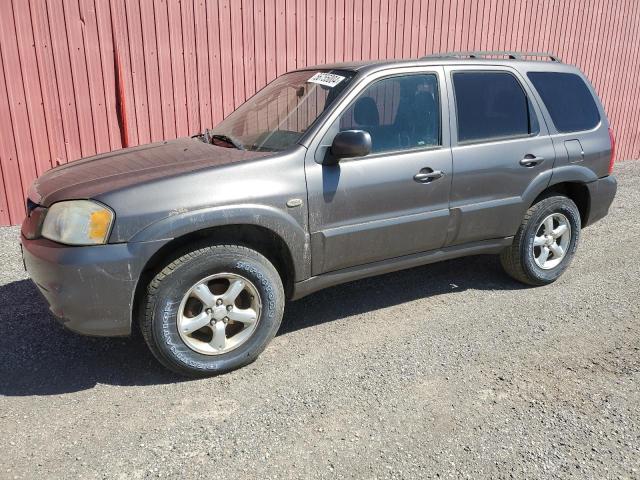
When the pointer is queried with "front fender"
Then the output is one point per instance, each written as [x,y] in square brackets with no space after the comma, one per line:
[286,227]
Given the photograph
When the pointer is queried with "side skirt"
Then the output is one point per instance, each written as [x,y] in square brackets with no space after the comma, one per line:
[313,284]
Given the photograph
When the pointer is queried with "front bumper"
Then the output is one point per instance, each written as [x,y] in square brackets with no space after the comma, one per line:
[601,194]
[89,289]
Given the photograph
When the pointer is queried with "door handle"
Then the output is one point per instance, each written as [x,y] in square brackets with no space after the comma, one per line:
[425,176]
[530,160]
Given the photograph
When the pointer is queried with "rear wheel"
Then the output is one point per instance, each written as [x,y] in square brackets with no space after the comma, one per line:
[545,242]
[213,310]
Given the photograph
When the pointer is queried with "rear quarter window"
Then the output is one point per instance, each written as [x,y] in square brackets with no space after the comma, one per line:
[567,99]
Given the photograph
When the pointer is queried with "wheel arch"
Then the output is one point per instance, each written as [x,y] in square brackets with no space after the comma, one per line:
[272,233]
[570,181]
[263,218]
[258,238]
[578,192]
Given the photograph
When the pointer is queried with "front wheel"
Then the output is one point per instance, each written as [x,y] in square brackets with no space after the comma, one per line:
[213,310]
[545,242]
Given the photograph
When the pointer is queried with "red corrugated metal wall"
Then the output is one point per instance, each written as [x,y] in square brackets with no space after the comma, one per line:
[86,76]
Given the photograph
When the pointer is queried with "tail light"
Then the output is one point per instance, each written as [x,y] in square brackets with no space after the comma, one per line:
[612,158]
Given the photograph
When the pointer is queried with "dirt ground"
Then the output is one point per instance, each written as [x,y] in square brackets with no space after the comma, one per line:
[446,371]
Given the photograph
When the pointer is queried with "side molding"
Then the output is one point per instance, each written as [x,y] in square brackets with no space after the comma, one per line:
[313,284]
[573,173]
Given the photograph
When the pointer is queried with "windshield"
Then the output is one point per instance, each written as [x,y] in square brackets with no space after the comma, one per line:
[278,115]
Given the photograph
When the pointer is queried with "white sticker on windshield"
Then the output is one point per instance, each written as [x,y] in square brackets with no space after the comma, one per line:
[326,79]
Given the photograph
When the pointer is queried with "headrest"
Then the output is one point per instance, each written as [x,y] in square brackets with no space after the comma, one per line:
[366,113]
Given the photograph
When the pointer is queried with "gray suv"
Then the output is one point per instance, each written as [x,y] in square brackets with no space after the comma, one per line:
[328,174]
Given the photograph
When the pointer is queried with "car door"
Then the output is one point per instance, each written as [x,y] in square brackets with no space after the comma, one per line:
[500,146]
[394,201]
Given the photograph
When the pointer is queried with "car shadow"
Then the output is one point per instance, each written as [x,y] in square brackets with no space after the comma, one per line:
[39,357]
[481,272]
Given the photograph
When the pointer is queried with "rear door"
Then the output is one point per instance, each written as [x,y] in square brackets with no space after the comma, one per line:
[394,201]
[500,146]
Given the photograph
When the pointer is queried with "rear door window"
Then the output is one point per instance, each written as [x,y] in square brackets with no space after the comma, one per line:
[492,105]
[567,99]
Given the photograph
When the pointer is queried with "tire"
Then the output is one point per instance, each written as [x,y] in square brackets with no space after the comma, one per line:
[174,299]
[523,260]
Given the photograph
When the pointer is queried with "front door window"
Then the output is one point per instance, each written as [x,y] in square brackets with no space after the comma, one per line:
[400,113]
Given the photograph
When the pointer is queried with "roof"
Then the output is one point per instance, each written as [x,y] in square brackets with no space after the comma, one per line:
[450,58]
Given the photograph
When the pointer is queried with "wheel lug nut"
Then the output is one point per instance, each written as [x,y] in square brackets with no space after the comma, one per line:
[219,301]
[229,308]
[225,320]
[208,311]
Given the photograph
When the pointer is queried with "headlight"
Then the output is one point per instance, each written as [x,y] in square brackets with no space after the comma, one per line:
[78,222]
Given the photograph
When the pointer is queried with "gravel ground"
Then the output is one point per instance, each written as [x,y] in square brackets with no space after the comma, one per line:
[445,371]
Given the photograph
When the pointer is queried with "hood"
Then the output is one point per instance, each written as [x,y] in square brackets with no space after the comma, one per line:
[103,173]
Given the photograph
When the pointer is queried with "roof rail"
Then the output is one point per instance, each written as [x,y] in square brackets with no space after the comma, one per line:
[495,53]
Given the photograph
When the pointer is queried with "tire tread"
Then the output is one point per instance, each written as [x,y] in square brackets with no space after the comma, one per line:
[511,257]
[146,323]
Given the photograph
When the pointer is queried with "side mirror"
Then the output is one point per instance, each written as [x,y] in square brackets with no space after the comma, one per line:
[350,143]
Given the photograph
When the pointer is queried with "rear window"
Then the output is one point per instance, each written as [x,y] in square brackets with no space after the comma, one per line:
[568,100]
[492,105]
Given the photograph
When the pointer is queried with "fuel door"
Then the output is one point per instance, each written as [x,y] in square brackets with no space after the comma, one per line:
[575,152]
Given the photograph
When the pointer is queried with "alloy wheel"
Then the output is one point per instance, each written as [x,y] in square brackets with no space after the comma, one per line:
[551,242]
[219,313]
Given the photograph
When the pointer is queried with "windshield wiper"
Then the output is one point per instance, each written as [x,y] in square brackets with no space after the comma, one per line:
[226,139]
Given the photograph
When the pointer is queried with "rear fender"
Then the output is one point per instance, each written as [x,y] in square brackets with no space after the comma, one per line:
[555,176]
